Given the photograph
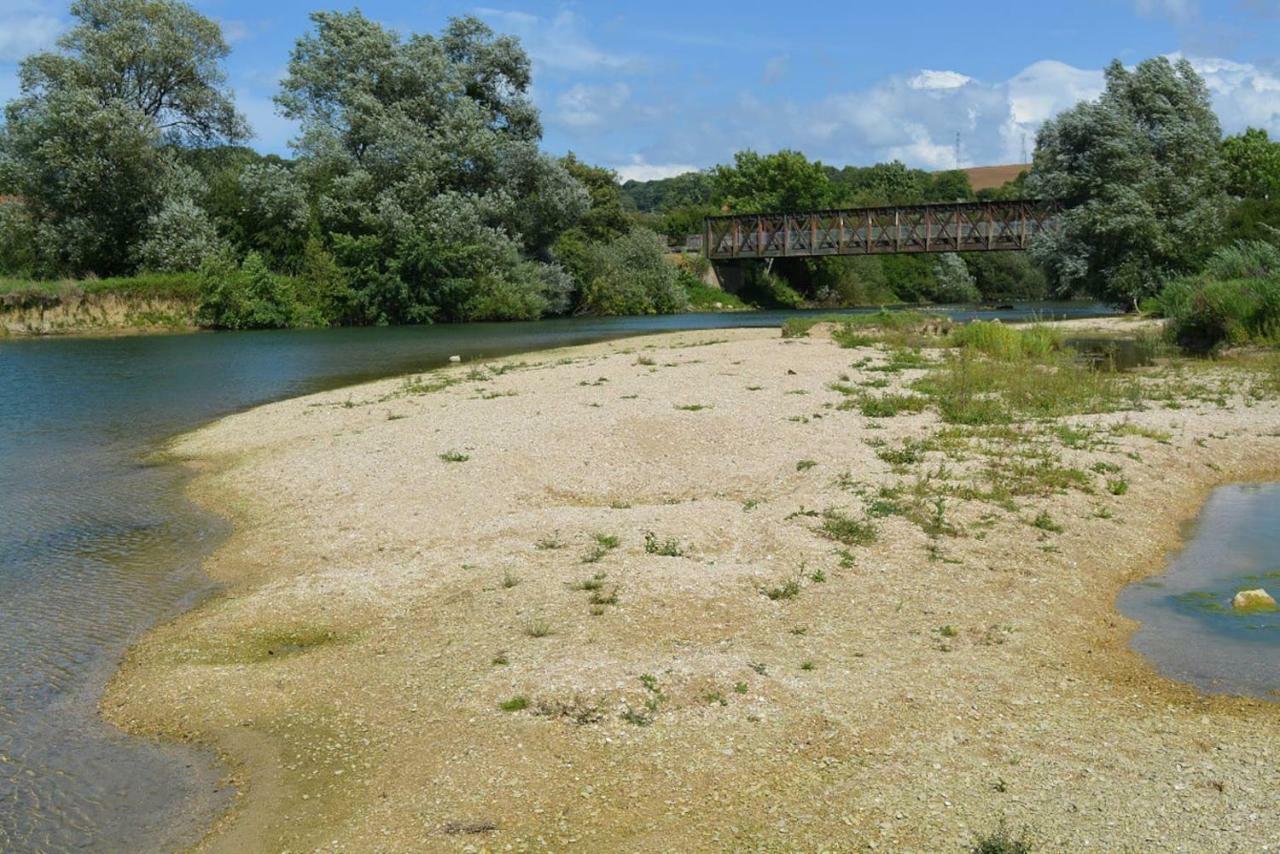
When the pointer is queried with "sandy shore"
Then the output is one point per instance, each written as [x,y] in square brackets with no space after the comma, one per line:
[381,601]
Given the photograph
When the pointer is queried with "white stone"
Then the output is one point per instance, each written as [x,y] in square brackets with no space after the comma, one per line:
[455,359]
[1247,599]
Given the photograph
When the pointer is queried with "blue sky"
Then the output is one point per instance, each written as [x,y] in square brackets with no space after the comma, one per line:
[655,88]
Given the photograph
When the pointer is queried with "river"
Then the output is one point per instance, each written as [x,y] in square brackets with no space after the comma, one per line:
[97,541]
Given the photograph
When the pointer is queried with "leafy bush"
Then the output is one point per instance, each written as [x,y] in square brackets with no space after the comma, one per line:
[1244,259]
[17,239]
[1236,300]
[1206,314]
[246,297]
[324,292]
[952,280]
[769,290]
[630,275]
[178,238]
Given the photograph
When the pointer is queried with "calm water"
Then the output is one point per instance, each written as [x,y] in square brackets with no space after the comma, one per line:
[96,544]
[1189,629]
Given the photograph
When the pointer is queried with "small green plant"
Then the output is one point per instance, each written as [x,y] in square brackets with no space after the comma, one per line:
[750,504]
[844,529]
[550,542]
[1001,841]
[818,576]
[889,405]
[537,628]
[455,457]
[759,667]
[788,589]
[1045,522]
[806,665]
[595,582]
[692,407]
[500,660]
[510,579]
[739,687]
[599,598]
[805,465]
[948,631]
[669,547]
[1117,486]
[515,704]
[603,544]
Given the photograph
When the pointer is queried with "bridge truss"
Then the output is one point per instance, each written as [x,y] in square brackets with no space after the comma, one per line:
[958,227]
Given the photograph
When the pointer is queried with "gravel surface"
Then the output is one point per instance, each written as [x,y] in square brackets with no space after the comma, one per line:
[410,554]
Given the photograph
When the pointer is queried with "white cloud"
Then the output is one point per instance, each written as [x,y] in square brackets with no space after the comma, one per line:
[915,116]
[927,79]
[583,106]
[557,42]
[1177,11]
[1243,94]
[639,170]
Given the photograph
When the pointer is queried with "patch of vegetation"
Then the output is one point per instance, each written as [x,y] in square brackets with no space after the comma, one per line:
[805,465]
[692,407]
[1045,522]
[1001,841]
[537,627]
[1006,343]
[788,589]
[516,704]
[888,405]
[844,529]
[669,547]
[455,457]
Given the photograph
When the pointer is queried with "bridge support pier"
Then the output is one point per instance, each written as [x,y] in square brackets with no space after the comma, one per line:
[728,276]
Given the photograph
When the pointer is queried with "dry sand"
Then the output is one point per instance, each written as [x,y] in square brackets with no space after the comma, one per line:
[353,668]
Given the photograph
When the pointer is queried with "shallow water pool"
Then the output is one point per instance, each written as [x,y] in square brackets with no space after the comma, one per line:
[1189,630]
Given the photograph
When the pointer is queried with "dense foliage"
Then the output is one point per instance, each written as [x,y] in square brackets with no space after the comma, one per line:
[1139,174]
[418,192]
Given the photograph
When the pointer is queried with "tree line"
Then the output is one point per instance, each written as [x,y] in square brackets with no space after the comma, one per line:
[417,190]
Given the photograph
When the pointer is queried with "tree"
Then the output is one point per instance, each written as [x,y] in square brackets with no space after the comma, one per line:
[606,218]
[785,181]
[1252,163]
[82,144]
[953,281]
[422,155]
[1139,176]
[631,275]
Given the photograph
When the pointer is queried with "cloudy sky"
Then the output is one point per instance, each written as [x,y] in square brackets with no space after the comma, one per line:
[660,87]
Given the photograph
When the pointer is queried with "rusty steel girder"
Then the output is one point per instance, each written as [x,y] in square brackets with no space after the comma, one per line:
[957,227]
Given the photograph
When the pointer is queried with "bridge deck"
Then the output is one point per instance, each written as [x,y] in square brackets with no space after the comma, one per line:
[958,227]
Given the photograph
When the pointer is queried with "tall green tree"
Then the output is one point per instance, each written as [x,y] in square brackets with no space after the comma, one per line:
[422,154]
[1140,177]
[83,144]
[783,181]
[1252,162]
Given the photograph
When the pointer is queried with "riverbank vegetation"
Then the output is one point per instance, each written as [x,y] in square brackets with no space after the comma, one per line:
[417,192]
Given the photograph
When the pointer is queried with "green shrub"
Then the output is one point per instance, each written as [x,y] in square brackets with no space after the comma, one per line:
[246,297]
[953,281]
[1244,259]
[1205,314]
[630,275]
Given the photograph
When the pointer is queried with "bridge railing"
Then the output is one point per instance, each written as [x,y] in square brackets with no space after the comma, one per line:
[957,227]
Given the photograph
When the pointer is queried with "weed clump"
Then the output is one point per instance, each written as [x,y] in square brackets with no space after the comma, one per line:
[669,547]
[844,529]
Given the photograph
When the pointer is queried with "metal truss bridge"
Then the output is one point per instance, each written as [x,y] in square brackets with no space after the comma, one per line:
[958,227]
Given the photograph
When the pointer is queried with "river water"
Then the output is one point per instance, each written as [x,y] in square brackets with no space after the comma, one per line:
[97,543]
[1189,630]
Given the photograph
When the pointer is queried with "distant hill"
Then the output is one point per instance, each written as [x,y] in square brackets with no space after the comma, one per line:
[991,177]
